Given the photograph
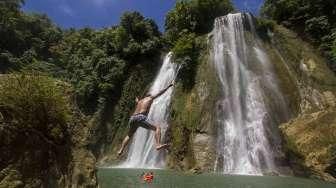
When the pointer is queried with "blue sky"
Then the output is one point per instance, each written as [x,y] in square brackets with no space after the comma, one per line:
[104,13]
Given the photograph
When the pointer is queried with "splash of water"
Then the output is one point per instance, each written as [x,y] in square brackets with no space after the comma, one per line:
[142,152]
[252,105]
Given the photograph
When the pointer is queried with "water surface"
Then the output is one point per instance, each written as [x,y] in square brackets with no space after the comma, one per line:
[129,178]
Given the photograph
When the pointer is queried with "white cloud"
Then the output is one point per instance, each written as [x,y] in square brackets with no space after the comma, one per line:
[101,2]
[67,10]
[245,4]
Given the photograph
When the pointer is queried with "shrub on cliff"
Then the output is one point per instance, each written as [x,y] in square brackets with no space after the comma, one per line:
[35,104]
[43,137]
[185,53]
[263,26]
[184,24]
[313,19]
[194,16]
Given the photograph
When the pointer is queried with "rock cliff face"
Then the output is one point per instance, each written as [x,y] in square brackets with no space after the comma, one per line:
[193,131]
[309,86]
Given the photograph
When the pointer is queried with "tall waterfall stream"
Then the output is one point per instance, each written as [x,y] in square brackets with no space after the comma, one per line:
[251,105]
[142,152]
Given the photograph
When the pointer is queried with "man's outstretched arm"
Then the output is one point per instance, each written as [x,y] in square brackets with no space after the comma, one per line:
[162,91]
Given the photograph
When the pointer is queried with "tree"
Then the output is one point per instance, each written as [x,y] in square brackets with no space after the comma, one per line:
[33,102]
[313,19]
[25,32]
[138,27]
[195,16]
[184,24]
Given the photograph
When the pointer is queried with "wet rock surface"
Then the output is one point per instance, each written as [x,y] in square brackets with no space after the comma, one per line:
[310,136]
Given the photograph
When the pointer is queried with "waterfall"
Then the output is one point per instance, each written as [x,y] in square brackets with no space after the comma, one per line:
[142,152]
[251,106]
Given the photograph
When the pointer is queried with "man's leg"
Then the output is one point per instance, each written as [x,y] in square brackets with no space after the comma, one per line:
[123,145]
[157,130]
[157,136]
[130,134]
[158,139]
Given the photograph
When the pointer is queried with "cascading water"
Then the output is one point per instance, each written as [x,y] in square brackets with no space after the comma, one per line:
[142,152]
[252,105]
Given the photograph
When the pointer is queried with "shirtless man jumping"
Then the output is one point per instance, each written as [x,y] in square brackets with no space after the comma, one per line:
[139,118]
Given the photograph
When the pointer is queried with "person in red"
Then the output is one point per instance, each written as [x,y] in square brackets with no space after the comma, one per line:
[148,177]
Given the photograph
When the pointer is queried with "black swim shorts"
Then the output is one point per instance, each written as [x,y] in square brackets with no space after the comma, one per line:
[138,120]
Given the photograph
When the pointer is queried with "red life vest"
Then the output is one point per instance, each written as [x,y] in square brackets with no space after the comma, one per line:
[148,177]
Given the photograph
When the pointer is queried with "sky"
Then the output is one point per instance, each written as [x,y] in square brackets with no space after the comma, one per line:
[105,13]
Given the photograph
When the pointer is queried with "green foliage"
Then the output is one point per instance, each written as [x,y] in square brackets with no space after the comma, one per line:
[139,28]
[334,49]
[194,16]
[35,102]
[184,46]
[143,36]
[180,19]
[24,32]
[263,26]
[317,27]
[188,110]
[185,118]
[315,19]
[11,4]
[8,61]
[184,24]
[97,62]
[185,52]
[113,40]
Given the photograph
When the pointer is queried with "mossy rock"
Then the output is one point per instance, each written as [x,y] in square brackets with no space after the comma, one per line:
[193,117]
[311,138]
